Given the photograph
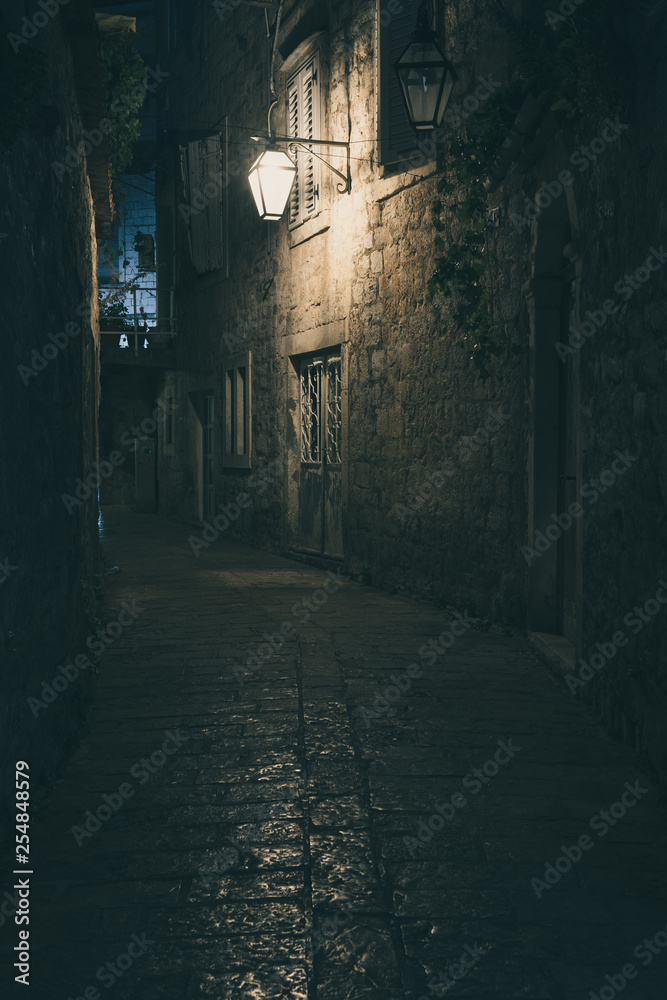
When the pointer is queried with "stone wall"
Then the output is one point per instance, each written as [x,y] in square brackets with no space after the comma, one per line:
[622,216]
[48,413]
[412,397]
[440,469]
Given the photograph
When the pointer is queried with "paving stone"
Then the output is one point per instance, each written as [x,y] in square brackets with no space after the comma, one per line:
[291,847]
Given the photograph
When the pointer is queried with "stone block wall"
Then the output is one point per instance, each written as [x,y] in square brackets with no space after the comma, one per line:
[48,415]
[437,464]
[413,400]
[623,221]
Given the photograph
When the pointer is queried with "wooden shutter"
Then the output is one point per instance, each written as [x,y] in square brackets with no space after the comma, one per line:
[293,129]
[303,105]
[396,136]
[206,203]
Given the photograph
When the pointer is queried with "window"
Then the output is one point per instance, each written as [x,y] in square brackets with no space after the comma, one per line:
[208,455]
[237,410]
[202,173]
[303,120]
[396,22]
[169,422]
[321,426]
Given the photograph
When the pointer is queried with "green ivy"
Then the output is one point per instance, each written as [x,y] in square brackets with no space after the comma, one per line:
[570,69]
[125,80]
[461,224]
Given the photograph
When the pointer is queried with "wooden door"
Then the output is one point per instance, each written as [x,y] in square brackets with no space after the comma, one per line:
[320,470]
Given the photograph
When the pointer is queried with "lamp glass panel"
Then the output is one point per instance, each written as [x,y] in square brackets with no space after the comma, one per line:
[271,177]
[253,177]
[426,82]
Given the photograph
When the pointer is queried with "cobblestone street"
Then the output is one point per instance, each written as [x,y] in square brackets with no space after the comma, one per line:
[287,792]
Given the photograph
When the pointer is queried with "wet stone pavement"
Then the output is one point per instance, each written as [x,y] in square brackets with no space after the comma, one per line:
[347,817]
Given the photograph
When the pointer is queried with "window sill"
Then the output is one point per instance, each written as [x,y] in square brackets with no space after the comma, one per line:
[307,230]
[421,167]
[236,461]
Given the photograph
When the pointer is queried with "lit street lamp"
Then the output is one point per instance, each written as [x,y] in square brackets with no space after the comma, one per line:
[272,174]
[426,78]
[271,178]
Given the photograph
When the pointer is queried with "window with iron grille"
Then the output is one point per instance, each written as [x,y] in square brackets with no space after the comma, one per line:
[321,427]
[236,398]
[395,24]
[303,120]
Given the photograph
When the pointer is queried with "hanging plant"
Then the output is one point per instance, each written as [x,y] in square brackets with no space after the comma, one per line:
[460,279]
[125,81]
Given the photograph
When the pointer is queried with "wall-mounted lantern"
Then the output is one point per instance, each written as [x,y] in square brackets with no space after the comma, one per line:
[272,174]
[271,178]
[425,76]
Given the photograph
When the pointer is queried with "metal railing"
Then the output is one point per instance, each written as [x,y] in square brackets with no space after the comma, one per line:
[138,324]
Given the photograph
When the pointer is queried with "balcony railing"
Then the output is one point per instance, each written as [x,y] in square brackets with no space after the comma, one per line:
[127,332]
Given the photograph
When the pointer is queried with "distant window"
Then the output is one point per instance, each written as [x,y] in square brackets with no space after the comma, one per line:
[396,22]
[236,393]
[303,118]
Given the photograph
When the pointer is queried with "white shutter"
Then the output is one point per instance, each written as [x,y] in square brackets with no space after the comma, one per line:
[206,203]
[309,92]
[303,118]
[293,129]
[397,138]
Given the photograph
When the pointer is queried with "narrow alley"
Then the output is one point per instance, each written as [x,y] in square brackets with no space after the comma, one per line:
[333,500]
[287,792]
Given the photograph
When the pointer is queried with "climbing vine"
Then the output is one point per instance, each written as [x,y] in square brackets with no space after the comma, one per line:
[570,66]
[125,79]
